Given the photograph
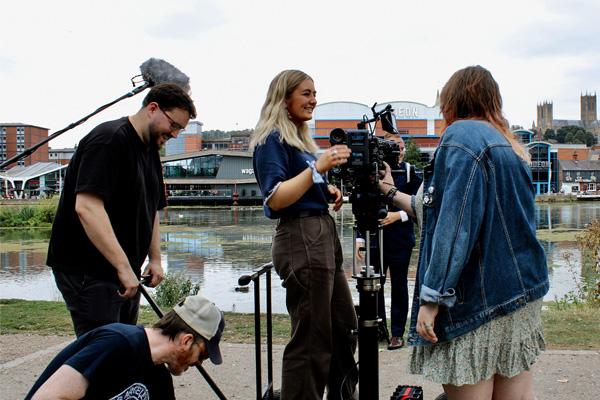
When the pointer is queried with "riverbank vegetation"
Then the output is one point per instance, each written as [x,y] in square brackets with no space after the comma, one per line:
[37,214]
[586,294]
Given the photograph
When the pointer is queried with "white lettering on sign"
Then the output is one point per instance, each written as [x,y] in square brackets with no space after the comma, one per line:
[249,171]
[407,112]
[540,164]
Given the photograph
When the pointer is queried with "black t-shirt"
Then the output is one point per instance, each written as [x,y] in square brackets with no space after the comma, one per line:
[113,162]
[117,362]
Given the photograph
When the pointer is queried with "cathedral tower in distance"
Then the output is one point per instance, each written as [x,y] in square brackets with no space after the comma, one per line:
[545,119]
[588,110]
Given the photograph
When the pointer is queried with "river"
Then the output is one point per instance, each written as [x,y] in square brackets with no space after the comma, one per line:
[215,246]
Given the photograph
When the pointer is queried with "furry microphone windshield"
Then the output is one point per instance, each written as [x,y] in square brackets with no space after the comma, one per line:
[155,71]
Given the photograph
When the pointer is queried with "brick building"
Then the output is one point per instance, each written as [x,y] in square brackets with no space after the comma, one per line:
[15,138]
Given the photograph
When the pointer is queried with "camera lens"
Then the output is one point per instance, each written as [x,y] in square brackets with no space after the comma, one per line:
[337,136]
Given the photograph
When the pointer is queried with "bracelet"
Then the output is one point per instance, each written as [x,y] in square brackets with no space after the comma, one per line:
[390,196]
[316,176]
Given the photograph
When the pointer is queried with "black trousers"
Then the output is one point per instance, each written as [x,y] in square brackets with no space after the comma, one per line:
[307,255]
[94,302]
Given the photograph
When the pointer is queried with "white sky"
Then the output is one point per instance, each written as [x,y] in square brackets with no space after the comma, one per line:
[62,59]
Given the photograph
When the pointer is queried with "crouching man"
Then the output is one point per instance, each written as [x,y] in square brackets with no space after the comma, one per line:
[120,361]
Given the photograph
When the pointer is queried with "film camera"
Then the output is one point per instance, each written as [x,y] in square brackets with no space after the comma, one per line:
[359,175]
[367,151]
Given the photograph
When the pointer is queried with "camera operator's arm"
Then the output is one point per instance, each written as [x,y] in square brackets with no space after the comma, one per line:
[400,200]
[291,190]
[393,216]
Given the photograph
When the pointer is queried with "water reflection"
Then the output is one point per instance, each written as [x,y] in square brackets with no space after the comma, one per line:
[215,246]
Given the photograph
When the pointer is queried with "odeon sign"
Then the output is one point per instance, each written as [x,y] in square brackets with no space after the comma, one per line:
[540,164]
[407,110]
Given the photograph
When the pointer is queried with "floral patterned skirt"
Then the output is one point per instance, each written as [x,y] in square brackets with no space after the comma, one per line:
[506,346]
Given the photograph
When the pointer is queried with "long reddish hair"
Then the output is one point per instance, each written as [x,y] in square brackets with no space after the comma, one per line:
[472,93]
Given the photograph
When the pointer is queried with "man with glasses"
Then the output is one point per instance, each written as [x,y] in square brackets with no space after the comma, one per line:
[121,361]
[107,221]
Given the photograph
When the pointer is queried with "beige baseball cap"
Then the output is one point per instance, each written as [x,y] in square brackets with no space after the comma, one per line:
[203,316]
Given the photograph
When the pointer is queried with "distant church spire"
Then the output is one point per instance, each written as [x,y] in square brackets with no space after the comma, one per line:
[437,98]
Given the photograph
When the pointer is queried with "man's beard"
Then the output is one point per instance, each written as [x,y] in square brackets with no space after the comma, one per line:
[155,134]
[183,358]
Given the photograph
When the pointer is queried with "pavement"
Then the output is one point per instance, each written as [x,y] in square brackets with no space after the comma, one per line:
[558,374]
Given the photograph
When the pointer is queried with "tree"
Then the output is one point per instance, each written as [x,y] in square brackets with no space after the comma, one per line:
[569,137]
[590,139]
[550,134]
[575,134]
[579,137]
[561,134]
[412,153]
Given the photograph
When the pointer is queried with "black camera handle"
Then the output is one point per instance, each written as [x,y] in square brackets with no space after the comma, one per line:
[376,116]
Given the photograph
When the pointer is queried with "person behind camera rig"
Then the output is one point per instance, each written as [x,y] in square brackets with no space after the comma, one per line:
[306,251]
[398,242]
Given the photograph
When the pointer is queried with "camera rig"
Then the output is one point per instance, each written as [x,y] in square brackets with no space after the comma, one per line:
[360,176]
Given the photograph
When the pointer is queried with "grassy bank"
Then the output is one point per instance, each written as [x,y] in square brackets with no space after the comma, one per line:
[52,318]
[571,329]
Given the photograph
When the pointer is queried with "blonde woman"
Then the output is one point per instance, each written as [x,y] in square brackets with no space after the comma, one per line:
[306,250]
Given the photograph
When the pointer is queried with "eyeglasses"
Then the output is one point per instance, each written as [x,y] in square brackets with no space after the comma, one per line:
[174,125]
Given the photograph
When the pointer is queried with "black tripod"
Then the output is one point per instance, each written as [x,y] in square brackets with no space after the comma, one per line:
[368,210]
[368,283]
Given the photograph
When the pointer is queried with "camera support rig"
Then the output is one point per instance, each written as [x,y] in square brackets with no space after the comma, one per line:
[361,174]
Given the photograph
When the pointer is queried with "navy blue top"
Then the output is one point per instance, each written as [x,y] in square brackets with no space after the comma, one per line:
[400,236]
[275,162]
[116,361]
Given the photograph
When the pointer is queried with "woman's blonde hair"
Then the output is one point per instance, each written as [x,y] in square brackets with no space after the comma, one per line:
[274,114]
[472,93]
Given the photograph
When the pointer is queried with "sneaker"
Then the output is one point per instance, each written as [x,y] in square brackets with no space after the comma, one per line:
[396,343]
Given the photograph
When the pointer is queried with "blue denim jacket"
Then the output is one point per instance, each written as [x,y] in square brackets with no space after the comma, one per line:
[479,256]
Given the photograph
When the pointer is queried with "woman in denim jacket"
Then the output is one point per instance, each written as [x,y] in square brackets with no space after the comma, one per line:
[482,274]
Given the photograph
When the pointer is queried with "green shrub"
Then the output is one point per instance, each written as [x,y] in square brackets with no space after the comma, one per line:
[174,288]
[39,215]
[587,290]
[8,218]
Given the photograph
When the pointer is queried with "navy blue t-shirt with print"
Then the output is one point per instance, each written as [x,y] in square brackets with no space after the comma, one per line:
[275,162]
[117,362]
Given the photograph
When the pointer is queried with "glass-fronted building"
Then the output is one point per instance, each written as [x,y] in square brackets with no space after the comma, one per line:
[211,176]
[544,167]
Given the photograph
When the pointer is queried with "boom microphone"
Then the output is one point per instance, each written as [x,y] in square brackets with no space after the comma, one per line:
[156,71]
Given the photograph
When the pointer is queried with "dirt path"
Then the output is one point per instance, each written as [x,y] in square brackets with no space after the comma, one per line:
[558,374]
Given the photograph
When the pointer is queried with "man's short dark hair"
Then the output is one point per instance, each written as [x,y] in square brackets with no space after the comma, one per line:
[172,325]
[169,96]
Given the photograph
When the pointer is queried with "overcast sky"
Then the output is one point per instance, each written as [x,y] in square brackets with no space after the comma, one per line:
[62,59]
